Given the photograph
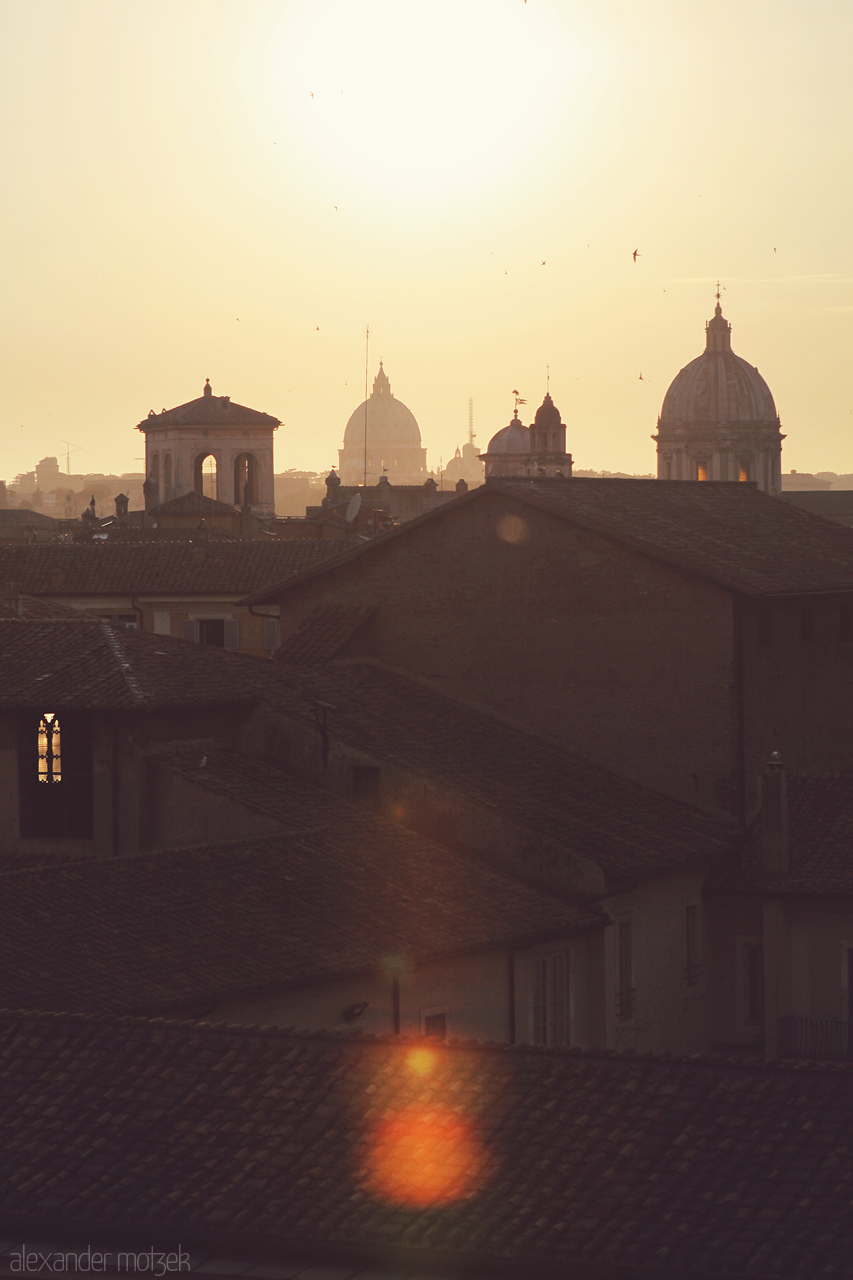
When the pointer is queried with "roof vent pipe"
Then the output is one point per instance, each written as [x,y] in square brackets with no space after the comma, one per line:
[774,817]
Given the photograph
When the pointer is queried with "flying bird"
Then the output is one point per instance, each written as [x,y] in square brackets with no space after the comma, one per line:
[641,378]
[312,95]
[774,250]
[636,254]
[543,260]
[336,208]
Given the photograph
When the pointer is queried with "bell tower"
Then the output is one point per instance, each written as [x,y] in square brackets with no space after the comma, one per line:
[212,446]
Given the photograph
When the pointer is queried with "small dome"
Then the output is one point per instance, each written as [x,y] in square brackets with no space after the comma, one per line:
[718,386]
[389,422]
[548,415]
[514,438]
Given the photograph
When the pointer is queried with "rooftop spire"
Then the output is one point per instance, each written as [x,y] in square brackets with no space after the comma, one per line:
[207,388]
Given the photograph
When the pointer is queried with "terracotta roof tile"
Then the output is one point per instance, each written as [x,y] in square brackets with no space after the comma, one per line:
[322,635]
[208,410]
[87,663]
[627,829]
[337,893]
[634,1166]
[728,533]
[171,568]
[820,840]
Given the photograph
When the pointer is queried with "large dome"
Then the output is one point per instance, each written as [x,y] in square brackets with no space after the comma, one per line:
[390,424]
[718,386]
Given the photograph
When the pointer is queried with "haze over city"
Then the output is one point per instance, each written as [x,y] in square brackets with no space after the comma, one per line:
[234,191]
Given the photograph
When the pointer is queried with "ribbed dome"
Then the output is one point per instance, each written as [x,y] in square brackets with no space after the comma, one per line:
[548,415]
[718,386]
[389,423]
[514,438]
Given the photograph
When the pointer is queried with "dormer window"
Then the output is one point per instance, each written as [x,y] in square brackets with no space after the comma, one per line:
[49,749]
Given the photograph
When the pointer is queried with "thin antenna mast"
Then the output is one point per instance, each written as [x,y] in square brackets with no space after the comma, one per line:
[366,379]
[69,449]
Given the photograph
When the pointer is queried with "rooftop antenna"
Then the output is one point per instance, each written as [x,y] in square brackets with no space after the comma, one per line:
[547,379]
[366,378]
[471,420]
[69,449]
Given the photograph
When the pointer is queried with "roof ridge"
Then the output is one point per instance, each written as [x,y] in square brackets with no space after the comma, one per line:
[121,658]
[247,1030]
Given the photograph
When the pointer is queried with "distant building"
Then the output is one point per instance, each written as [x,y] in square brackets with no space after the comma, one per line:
[718,420]
[210,440]
[393,440]
[464,465]
[537,450]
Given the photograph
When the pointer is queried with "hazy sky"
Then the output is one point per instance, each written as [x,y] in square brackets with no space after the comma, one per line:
[177,205]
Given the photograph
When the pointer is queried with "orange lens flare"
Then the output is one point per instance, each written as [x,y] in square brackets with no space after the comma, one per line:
[424,1157]
[420,1061]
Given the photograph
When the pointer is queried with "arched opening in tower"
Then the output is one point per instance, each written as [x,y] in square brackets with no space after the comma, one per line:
[205,479]
[245,479]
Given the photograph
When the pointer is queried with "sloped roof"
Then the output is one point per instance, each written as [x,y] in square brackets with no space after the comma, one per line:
[627,829]
[34,610]
[193,504]
[88,663]
[322,634]
[23,517]
[168,568]
[575,1164]
[337,893]
[820,844]
[208,410]
[728,533]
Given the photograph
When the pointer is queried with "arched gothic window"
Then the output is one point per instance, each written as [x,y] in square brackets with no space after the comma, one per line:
[49,748]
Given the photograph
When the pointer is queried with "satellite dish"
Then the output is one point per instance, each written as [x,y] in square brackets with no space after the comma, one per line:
[354,506]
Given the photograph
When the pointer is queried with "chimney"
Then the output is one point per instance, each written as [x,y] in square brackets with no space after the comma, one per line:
[774,817]
[122,502]
[461,487]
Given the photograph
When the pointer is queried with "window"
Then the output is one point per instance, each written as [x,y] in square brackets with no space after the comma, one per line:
[272,633]
[218,633]
[435,1024]
[549,1000]
[206,476]
[50,749]
[245,479]
[625,991]
[743,471]
[55,779]
[692,966]
[701,470]
[752,972]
